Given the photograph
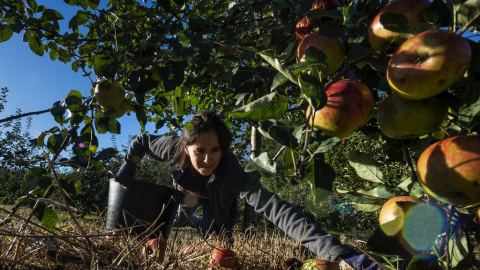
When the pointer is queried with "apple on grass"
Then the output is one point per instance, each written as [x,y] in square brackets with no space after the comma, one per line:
[428,64]
[449,170]
[155,248]
[333,47]
[401,118]
[109,95]
[379,37]
[223,257]
[349,106]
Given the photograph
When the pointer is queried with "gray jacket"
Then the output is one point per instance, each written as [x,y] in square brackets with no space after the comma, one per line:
[232,182]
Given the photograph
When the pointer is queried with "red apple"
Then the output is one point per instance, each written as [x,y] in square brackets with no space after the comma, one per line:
[428,64]
[155,248]
[223,257]
[449,170]
[379,37]
[401,118]
[349,106]
[393,213]
[316,264]
[333,47]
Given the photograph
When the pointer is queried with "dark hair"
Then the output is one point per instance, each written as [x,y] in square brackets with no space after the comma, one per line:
[198,124]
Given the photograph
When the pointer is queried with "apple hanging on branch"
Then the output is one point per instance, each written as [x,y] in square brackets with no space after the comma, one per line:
[332,47]
[349,106]
[449,170]
[400,118]
[428,64]
[109,95]
[379,37]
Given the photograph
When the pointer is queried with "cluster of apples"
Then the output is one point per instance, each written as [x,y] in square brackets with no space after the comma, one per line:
[349,102]
[111,97]
[423,66]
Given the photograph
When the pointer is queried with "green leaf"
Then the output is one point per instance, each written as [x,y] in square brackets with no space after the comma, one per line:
[36,180]
[414,189]
[107,124]
[34,42]
[271,106]
[280,133]
[295,69]
[74,101]
[269,56]
[396,22]
[47,216]
[289,163]
[469,13]
[51,15]
[321,176]
[376,196]
[54,142]
[106,153]
[5,34]
[313,91]
[458,249]
[469,112]
[326,144]
[357,53]
[365,166]
[262,164]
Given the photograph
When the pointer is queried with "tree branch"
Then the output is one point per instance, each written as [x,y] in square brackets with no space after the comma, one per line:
[13,117]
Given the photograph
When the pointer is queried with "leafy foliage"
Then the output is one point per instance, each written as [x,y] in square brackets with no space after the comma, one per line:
[176,58]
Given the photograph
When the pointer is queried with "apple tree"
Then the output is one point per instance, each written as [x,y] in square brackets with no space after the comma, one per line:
[307,75]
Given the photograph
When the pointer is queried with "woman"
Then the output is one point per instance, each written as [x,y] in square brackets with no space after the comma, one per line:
[210,175]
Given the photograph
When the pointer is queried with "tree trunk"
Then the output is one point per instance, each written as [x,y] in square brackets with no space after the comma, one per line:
[250,218]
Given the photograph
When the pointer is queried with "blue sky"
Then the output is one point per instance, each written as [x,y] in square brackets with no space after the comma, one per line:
[35,83]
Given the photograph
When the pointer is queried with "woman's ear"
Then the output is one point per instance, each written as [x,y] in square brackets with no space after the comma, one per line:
[186,150]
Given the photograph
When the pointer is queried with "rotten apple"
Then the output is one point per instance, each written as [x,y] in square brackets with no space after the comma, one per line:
[155,248]
[316,264]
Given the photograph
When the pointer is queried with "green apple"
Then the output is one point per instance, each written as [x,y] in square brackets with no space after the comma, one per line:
[333,47]
[379,37]
[428,64]
[401,118]
[393,213]
[349,106]
[449,170]
[109,95]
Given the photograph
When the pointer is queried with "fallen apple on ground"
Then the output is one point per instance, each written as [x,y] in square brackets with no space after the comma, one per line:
[155,248]
[223,257]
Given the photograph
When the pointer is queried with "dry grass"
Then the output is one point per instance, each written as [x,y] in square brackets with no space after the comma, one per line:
[26,244]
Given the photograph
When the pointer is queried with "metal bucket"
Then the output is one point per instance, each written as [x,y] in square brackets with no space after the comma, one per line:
[146,207]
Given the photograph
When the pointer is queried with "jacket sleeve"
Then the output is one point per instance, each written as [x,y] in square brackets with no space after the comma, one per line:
[289,219]
[160,148]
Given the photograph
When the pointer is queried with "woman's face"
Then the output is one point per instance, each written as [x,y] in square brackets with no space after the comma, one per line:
[205,153]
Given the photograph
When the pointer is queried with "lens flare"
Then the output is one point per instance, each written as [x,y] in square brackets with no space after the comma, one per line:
[422,227]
